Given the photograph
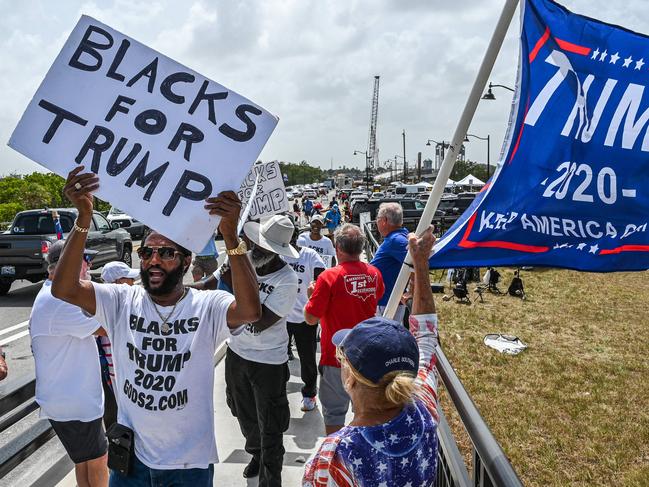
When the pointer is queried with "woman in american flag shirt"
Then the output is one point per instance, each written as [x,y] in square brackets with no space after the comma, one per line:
[389,374]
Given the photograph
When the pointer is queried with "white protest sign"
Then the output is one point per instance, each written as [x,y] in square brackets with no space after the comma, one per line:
[270,196]
[161,137]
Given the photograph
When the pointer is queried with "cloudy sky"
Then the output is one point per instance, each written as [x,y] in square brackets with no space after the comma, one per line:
[311,63]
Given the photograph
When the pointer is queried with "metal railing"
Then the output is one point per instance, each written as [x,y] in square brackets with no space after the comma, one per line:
[490,466]
[15,406]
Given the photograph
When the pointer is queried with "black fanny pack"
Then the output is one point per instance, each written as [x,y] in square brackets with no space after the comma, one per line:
[121,445]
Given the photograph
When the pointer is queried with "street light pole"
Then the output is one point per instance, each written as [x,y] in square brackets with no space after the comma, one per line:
[367,165]
[403,173]
[405,163]
[488,139]
[439,150]
[489,95]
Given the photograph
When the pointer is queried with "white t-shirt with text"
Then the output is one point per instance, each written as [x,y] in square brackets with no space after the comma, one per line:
[324,246]
[278,292]
[165,379]
[303,266]
[68,372]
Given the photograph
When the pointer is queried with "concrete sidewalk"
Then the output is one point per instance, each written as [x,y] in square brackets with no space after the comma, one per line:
[304,434]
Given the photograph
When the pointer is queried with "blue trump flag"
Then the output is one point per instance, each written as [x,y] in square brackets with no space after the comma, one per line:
[571,189]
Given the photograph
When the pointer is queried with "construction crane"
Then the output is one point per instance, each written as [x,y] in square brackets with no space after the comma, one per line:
[372,157]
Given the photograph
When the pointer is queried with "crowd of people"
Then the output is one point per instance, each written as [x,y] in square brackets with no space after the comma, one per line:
[139,358]
[334,215]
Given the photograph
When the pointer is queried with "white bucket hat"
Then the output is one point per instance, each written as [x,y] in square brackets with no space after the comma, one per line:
[274,234]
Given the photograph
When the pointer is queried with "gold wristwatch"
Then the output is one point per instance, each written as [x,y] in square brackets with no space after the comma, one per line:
[241,249]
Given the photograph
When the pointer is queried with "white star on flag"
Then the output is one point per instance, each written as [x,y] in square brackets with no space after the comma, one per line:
[424,464]
[593,249]
[404,462]
[382,466]
[627,61]
[603,56]
[379,445]
[393,438]
[639,64]
[595,54]
[581,246]
[357,462]
[614,58]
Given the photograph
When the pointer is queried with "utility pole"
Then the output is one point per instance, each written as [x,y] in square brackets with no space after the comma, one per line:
[405,162]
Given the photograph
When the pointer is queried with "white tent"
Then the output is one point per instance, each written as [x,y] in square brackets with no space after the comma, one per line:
[386,176]
[450,182]
[470,180]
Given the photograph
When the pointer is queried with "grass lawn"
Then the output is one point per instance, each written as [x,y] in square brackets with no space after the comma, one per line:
[572,409]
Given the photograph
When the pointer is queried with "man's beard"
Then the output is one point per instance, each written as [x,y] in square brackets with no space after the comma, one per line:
[171,280]
[260,260]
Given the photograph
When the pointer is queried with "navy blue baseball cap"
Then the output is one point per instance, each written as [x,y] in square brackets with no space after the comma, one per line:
[378,346]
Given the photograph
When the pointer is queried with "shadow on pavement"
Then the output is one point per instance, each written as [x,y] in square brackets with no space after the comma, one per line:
[23,297]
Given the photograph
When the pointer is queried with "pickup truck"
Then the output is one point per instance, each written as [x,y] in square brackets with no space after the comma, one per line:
[412,208]
[24,247]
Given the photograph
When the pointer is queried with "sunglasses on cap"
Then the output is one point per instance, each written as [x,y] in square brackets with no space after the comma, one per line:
[165,253]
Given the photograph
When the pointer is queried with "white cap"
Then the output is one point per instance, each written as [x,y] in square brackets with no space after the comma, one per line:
[117,270]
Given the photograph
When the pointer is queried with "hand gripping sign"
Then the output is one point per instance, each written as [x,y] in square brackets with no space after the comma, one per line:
[161,137]
[571,188]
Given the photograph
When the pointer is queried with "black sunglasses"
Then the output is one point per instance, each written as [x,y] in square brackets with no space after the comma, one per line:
[165,253]
[88,258]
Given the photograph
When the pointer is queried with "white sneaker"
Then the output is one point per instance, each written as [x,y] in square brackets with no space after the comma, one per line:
[308,404]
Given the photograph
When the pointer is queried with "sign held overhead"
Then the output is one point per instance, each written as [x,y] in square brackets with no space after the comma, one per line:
[270,196]
[161,137]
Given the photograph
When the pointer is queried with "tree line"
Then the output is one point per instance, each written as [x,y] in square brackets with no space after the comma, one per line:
[20,192]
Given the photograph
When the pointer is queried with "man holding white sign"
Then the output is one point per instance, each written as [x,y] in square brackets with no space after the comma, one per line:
[164,336]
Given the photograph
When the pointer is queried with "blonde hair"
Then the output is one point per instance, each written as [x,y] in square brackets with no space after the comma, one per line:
[398,386]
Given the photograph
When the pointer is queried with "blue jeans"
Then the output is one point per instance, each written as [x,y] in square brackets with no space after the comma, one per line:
[143,476]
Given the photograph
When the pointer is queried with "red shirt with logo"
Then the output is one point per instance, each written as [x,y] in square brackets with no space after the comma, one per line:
[344,296]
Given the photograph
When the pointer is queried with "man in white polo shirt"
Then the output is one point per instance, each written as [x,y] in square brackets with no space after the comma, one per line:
[68,375]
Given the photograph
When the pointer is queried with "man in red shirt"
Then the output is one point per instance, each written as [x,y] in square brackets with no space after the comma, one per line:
[342,297]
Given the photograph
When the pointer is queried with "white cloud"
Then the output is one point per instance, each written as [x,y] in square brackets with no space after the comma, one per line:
[311,63]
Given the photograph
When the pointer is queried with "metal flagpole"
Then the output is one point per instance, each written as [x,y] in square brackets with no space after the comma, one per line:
[456,142]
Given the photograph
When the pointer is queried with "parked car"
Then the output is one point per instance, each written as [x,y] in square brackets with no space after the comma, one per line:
[412,209]
[23,250]
[309,193]
[127,222]
[454,205]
